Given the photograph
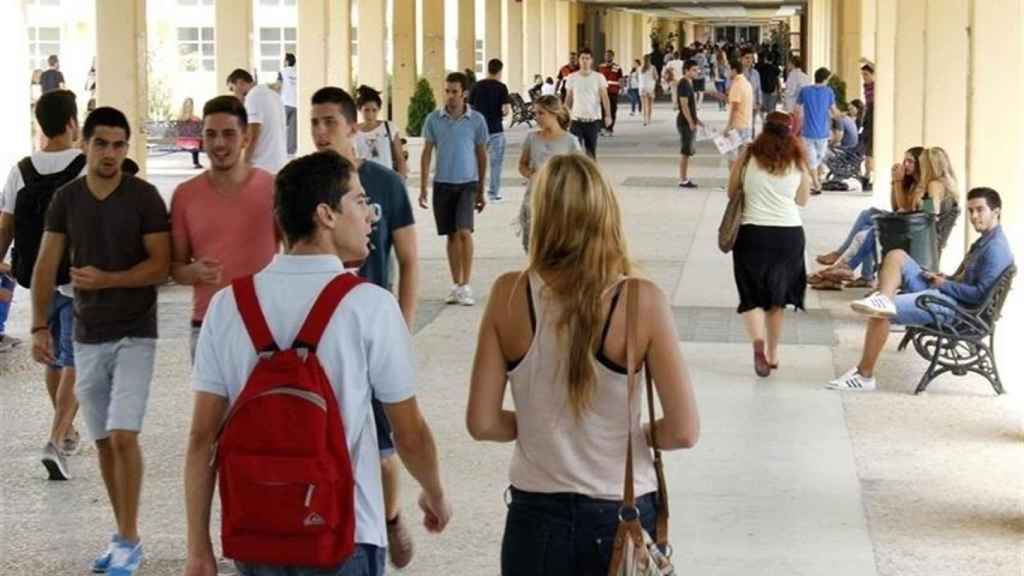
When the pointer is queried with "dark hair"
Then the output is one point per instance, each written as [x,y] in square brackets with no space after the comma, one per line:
[289,59]
[689,64]
[910,180]
[747,51]
[587,52]
[52,59]
[609,51]
[54,110]
[240,74]
[868,68]
[736,66]
[991,197]
[549,80]
[305,183]
[226,105]
[366,95]
[458,78]
[106,116]
[777,149]
[335,95]
[821,75]
[796,61]
[494,66]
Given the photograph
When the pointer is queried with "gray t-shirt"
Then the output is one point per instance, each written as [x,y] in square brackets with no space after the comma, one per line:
[540,149]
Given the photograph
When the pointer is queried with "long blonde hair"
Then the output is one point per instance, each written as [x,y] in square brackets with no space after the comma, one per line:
[576,233]
[941,169]
[187,111]
[553,105]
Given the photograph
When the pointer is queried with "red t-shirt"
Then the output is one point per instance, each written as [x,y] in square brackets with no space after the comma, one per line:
[237,230]
[613,74]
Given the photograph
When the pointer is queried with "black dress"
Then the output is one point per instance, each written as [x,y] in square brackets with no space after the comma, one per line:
[768,263]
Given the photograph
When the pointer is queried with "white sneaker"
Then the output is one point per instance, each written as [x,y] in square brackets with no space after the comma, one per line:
[877,305]
[466,296]
[852,381]
[453,296]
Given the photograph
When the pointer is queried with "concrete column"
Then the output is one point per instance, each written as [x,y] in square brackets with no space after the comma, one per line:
[514,49]
[563,34]
[574,20]
[467,35]
[819,33]
[17,114]
[324,54]
[689,33]
[910,69]
[868,17]
[233,39]
[121,79]
[885,95]
[433,47]
[549,23]
[403,83]
[533,38]
[492,29]
[372,47]
[850,47]
[640,46]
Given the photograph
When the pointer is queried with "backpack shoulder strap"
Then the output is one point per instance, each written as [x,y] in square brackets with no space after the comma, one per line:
[387,129]
[73,169]
[29,174]
[323,309]
[255,322]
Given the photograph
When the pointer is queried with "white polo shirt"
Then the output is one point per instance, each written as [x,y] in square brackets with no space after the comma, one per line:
[264,107]
[366,347]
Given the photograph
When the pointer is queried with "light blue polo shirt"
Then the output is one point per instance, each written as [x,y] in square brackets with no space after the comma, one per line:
[456,141]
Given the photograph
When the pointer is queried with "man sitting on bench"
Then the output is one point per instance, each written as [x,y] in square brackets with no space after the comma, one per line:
[988,257]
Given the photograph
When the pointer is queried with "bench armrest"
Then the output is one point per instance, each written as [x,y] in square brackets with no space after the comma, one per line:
[963,323]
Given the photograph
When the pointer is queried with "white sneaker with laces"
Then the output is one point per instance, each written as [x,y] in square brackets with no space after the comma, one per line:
[466,296]
[453,296]
[877,305]
[852,381]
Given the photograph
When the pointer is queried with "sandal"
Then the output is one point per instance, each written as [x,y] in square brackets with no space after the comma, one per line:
[841,273]
[829,285]
[828,259]
[861,283]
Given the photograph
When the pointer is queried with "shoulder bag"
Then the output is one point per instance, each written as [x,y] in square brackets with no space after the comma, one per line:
[729,229]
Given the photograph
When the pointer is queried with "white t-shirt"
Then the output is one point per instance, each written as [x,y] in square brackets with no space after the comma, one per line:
[44,163]
[586,95]
[374,146]
[365,349]
[547,89]
[289,86]
[770,199]
[676,66]
[266,109]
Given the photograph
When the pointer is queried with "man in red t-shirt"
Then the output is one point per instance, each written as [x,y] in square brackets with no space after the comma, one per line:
[565,71]
[612,72]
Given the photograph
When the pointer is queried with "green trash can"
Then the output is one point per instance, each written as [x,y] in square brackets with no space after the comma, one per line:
[912,232]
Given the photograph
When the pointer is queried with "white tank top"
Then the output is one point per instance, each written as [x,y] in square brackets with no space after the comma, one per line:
[374,146]
[555,451]
[770,199]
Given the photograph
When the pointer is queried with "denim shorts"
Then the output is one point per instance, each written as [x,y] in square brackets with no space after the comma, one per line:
[112,384]
[816,150]
[913,286]
[367,560]
[558,534]
[61,322]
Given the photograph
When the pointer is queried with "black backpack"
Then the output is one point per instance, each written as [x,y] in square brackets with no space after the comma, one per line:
[30,217]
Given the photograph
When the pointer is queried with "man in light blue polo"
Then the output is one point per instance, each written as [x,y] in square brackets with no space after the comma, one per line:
[460,135]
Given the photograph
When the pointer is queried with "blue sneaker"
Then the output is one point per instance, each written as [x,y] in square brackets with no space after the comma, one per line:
[125,559]
[102,562]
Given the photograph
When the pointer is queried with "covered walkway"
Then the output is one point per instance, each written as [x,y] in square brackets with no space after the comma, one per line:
[788,478]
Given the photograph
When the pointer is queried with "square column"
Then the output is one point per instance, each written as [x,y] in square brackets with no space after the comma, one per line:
[492,29]
[549,23]
[403,84]
[433,47]
[373,48]
[233,39]
[563,33]
[514,46]
[639,38]
[534,39]
[17,118]
[121,79]
[324,47]
[467,35]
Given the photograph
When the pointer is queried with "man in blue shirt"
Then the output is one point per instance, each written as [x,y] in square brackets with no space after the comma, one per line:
[460,135]
[988,257]
[817,106]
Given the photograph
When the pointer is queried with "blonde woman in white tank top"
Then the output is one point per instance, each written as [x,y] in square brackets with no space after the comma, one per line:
[557,334]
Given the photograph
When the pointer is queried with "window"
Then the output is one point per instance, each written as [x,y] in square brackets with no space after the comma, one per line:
[196,49]
[274,44]
[277,2]
[42,42]
[478,56]
[195,2]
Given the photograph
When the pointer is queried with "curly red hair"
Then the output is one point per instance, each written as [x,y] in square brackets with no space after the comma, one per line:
[777,148]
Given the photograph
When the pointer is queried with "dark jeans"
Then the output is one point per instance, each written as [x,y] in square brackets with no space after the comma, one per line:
[634,100]
[367,560]
[563,534]
[587,132]
[613,102]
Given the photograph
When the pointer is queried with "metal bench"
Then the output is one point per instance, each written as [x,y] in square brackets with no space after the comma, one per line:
[966,342]
[162,135]
[522,113]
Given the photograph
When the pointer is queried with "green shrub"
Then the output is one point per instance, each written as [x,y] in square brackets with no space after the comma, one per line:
[838,86]
[421,105]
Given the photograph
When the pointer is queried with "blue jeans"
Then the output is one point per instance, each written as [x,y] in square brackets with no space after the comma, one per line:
[913,286]
[865,257]
[496,153]
[864,221]
[7,283]
[558,534]
[634,100]
[367,560]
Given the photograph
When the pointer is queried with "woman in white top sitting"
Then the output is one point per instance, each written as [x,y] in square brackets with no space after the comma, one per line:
[768,258]
[556,333]
[377,140]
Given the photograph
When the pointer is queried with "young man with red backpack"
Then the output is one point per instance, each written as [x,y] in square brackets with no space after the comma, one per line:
[285,367]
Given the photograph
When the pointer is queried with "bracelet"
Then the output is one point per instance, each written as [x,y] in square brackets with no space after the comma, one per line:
[38,329]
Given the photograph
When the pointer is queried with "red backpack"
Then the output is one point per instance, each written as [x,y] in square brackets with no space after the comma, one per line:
[286,481]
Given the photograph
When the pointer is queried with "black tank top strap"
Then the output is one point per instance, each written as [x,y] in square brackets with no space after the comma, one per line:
[529,303]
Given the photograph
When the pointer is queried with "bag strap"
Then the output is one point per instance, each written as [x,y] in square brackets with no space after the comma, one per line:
[29,174]
[323,309]
[252,315]
[628,494]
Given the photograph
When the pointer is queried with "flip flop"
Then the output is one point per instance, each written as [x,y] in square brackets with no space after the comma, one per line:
[860,283]
[827,259]
[829,285]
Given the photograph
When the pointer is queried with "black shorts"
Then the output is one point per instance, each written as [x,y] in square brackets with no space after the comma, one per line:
[454,206]
[385,442]
[699,85]
[687,138]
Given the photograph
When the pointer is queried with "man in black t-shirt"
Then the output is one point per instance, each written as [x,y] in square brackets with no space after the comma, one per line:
[769,72]
[687,121]
[52,79]
[490,98]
